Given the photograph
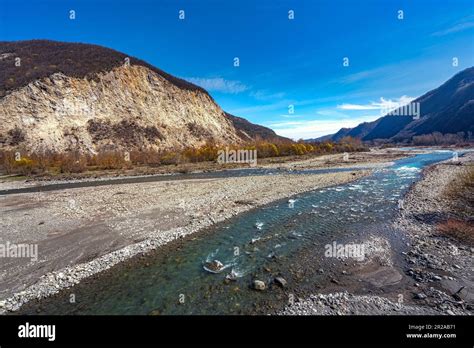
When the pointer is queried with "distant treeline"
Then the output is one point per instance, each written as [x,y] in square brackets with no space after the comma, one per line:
[438,138]
[435,138]
[20,161]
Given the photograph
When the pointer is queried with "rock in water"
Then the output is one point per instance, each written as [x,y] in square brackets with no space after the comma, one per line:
[259,285]
[232,275]
[214,266]
[254,240]
[280,281]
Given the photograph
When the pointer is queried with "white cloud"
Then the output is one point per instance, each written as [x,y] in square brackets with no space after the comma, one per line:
[362,75]
[265,95]
[297,129]
[383,104]
[332,113]
[291,116]
[316,128]
[218,84]
[358,107]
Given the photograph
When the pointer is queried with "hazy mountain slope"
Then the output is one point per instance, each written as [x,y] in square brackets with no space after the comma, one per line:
[320,139]
[250,130]
[357,132]
[446,109]
[387,127]
[341,133]
[362,129]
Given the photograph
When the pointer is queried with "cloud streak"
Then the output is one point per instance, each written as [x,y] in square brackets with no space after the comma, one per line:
[383,104]
[219,84]
[465,24]
[316,128]
[265,95]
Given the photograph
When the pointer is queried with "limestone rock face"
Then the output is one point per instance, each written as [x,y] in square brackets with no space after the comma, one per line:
[128,107]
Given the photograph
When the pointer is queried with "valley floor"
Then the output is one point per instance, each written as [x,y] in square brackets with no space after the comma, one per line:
[83,231]
[358,159]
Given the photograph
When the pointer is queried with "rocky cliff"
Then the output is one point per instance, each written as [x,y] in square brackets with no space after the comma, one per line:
[83,97]
[127,107]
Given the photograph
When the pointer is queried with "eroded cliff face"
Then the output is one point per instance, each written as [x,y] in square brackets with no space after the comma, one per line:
[129,107]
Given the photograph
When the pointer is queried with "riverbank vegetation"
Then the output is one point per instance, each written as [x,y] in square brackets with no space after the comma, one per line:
[22,162]
[460,192]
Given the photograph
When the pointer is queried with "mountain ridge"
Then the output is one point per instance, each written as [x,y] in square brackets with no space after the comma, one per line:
[447,109]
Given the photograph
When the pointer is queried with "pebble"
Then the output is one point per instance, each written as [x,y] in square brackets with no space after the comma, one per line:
[259,285]
[280,281]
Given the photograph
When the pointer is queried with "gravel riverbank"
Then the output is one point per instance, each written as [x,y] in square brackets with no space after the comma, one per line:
[439,267]
[372,159]
[83,231]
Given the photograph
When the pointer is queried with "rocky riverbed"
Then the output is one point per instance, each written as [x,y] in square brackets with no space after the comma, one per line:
[439,268]
[83,231]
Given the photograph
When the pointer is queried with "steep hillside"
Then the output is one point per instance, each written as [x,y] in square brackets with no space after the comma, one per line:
[248,130]
[362,129]
[446,109]
[387,127]
[67,96]
[42,58]
[125,108]
[341,133]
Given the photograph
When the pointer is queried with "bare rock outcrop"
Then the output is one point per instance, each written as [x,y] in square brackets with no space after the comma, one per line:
[128,107]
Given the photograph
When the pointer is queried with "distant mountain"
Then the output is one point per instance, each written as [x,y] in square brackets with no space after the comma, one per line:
[250,130]
[357,132]
[323,138]
[387,127]
[71,96]
[446,109]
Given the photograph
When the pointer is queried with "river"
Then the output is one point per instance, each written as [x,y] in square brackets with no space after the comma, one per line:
[286,238]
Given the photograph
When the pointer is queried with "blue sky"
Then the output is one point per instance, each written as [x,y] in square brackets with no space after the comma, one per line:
[285,63]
